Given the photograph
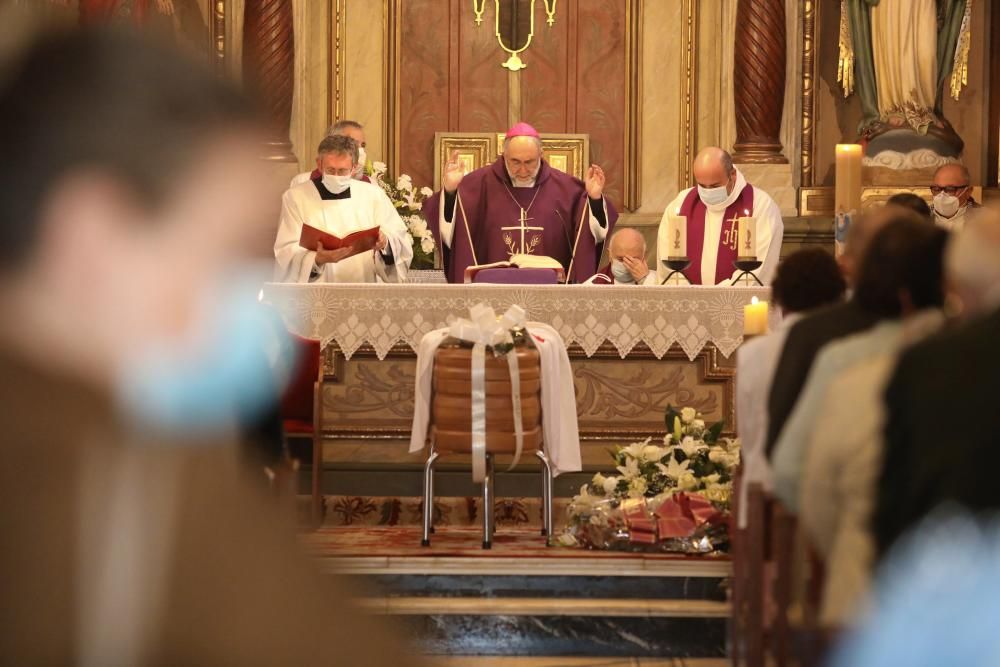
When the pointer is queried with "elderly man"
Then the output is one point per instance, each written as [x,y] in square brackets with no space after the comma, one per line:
[340,205]
[519,205]
[347,128]
[628,261]
[952,190]
[712,209]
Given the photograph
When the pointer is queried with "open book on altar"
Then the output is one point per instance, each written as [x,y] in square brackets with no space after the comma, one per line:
[520,262]
[358,242]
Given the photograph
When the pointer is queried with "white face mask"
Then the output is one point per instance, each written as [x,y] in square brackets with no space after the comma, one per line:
[946,205]
[712,196]
[362,161]
[336,184]
[621,272]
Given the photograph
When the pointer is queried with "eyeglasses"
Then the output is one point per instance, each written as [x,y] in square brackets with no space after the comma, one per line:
[947,189]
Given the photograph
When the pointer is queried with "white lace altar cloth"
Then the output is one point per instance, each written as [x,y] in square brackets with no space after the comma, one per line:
[382,315]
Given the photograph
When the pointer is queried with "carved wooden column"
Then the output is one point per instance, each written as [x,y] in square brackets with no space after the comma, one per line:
[269,68]
[759,80]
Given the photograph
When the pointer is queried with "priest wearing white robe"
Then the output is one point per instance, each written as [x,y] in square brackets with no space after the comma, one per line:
[712,210]
[340,205]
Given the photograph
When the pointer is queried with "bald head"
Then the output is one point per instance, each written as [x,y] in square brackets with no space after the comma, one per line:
[952,174]
[972,263]
[627,242]
[713,168]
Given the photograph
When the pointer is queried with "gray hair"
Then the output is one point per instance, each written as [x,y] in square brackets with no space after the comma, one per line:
[339,144]
[538,142]
[726,160]
[341,125]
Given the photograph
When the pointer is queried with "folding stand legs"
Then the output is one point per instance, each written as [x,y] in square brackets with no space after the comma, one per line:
[428,499]
[546,494]
[488,501]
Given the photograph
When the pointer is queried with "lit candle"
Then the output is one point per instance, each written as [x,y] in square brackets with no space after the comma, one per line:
[755,318]
[677,236]
[747,244]
[848,192]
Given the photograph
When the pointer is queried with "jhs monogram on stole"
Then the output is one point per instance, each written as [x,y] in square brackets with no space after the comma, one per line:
[730,235]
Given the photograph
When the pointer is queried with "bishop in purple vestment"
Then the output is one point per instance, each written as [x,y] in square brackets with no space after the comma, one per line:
[520,205]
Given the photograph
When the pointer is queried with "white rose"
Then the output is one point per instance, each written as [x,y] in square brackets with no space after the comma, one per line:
[637,488]
[426,191]
[688,415]
[610,484]
[690,446]
[688,482]
[698,423]
[417,226]
[404,183]
[598,480]
[379,168]
[427,244]
[652,453]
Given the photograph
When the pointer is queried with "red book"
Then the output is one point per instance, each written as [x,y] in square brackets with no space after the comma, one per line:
[358,242]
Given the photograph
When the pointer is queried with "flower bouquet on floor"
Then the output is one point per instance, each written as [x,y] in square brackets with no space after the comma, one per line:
[669,496]
[408,201]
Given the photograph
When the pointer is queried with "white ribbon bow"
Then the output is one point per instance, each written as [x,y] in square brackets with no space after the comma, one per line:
[482,329]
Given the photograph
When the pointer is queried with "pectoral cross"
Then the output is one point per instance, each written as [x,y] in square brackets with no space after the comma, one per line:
[523,228]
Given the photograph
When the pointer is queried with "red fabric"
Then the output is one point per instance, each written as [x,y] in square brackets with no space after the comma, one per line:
[297,426]
[297,403]
[694,210]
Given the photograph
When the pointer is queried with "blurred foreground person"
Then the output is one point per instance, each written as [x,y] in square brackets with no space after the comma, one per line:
[128,346]
[937,600]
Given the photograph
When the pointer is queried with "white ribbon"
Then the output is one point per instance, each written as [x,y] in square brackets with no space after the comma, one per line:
[482,329]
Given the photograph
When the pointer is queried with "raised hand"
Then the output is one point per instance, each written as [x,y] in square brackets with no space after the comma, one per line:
[637,267]
[594,181]
[453,173]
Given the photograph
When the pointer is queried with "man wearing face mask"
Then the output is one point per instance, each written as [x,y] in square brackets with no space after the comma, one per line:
[628,261]
[339,204]
[348,128]
[712,209]
[952,192]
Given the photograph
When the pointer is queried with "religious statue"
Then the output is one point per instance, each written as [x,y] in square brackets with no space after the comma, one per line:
[897,55]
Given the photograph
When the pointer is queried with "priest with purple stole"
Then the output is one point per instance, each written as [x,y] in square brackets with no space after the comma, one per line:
[520,205]
[712,211]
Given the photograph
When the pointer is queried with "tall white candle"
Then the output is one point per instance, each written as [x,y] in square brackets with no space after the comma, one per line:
[746,236]
[677,236]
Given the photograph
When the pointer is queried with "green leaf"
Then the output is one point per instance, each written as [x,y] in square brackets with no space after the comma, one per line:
[713,433]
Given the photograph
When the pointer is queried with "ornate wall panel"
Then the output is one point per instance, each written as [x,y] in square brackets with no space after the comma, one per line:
[450,80]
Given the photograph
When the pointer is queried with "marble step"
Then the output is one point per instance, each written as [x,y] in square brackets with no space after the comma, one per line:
[546,606]
[556,587]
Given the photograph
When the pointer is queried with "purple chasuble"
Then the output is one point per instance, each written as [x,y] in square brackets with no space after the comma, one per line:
[487,222]
[694,210]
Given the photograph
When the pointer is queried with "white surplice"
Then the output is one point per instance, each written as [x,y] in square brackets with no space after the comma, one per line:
[367,207]
[770,231]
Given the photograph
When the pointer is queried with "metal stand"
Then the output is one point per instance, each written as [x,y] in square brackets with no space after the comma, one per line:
[546,496]
[488,501]
[747,265]
[676,265]
[428,499]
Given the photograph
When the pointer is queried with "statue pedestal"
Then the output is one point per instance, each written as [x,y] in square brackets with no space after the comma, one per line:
[775,180]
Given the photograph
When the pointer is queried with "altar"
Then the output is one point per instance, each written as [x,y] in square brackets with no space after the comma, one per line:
[633,350]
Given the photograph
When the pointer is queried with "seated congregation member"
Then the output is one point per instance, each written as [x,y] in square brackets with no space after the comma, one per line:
[347,128]
[340,205]
[943,423]
[910,201]
[807,336]
[628,261]
[805,280]
[520,205]
[900,277]
[712,209]
[845,443]
[121,309]
[952,190]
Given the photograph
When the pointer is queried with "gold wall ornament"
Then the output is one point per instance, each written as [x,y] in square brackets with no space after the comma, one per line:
[514,62]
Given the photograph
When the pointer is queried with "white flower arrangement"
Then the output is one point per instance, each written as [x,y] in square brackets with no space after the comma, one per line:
[692,458]
[408,201]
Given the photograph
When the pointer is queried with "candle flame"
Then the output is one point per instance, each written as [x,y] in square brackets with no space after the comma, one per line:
[754,301]
[746,213]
